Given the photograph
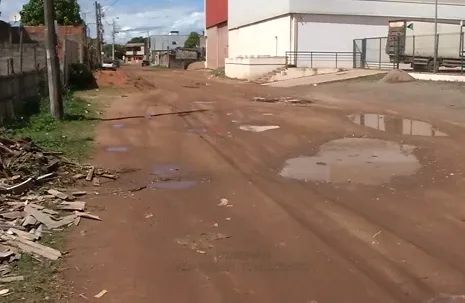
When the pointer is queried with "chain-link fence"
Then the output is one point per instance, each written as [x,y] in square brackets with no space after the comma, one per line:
[408,52]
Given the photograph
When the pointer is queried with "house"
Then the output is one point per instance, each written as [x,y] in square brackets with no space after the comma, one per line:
[261,32]
[216,24]
[135,52]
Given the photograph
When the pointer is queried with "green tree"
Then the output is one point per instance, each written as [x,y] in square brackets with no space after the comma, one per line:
[66,12]
[120,50]
[137,40]
[193,40]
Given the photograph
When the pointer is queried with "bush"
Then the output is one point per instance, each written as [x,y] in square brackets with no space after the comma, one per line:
[81,77]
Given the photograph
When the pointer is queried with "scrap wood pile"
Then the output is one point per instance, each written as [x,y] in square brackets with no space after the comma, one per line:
[32,201]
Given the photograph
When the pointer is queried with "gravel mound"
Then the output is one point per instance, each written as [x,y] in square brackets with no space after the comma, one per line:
[397,76]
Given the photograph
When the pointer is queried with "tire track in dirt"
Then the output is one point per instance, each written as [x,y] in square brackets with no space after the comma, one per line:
[415,282]
[385,278]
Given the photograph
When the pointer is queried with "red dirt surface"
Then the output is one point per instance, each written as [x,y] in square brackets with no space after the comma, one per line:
[280,240]
[116,78]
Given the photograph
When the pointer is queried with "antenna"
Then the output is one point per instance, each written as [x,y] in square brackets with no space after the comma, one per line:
[16,17]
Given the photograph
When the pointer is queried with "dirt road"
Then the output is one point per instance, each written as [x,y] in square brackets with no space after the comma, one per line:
[320,209]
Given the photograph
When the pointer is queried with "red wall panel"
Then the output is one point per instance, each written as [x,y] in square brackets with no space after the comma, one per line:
[216,12]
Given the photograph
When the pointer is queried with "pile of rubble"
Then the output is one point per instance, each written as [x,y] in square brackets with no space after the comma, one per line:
[35,199]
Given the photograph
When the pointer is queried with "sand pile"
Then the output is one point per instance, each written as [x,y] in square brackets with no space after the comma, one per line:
[397,76]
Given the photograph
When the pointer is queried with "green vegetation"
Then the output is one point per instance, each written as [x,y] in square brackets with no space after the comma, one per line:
[193,40]
[42,280]
[219,72]
[138,40]
[81,77]
[66,12]
[73,136]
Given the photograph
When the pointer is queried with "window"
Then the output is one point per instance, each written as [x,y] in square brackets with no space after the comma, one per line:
[174,43]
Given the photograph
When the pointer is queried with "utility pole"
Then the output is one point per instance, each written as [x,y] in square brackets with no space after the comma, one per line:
[98,22]
[147,55]
[53,65]
[436,37]
[113,36]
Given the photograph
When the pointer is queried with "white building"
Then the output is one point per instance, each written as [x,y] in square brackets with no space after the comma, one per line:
[262,31]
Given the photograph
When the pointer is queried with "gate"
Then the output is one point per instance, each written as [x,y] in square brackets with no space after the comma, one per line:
[372,53]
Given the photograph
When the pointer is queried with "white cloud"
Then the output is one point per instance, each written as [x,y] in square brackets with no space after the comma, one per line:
[132,17]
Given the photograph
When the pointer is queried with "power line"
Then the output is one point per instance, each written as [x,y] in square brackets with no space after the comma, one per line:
[109,6]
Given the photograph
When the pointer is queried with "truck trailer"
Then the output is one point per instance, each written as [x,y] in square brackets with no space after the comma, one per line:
[412,42]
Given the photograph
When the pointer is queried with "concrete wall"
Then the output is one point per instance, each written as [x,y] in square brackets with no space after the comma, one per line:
[252,68]
[244,12]
[423,9]
[217,45]
[32,54]
[336,33]
[269,38]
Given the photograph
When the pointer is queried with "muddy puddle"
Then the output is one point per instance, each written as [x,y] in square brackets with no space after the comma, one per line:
[354,160]
[117,149]
[166,170]
[172,185]
[197,130]
[397,125]
[118,125]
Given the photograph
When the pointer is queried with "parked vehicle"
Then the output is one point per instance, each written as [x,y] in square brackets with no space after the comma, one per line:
[145,63]
[117,63]
[412,42]
[109,65]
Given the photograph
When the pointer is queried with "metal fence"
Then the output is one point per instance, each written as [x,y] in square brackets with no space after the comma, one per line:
[411,52]
[323,59]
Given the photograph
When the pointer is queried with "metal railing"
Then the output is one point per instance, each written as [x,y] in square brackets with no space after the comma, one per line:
[315,59]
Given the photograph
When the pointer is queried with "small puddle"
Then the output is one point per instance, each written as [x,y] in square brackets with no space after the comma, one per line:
[166,170]
[356,160]
[118,125]
[396,125]
[258,128]
[172,185]
[197,130]
[443,298]
[117,149]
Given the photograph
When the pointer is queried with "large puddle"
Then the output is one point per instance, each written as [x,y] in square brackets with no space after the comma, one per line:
[356,160]
[396,125]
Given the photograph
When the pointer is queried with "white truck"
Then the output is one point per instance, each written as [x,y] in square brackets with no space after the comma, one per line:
[412,42]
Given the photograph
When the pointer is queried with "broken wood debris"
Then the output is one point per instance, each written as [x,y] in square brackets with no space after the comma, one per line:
[36,197]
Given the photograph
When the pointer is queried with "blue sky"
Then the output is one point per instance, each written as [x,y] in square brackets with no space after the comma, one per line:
[133,17]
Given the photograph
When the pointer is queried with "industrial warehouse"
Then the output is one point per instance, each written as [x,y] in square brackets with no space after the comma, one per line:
[275,33]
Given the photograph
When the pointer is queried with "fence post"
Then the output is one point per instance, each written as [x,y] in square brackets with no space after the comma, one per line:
[354,51]
[311,60]
[436,51]
[363,57]
[413,55]
[336,59]
[461,50]
[379,56]
[20,50]
[398,52]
